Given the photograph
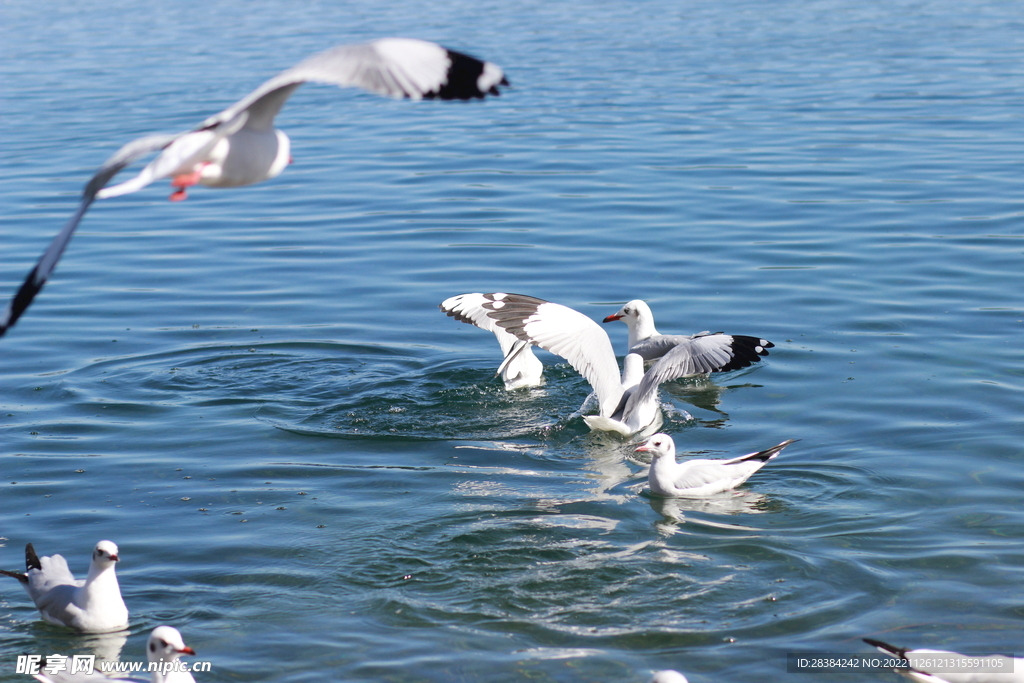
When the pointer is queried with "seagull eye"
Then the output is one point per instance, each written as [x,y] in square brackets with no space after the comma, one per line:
[152,647]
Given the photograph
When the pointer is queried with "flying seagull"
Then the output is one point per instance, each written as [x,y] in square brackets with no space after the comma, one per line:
[240,146]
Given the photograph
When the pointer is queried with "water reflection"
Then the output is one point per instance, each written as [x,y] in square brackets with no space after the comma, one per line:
[106,646]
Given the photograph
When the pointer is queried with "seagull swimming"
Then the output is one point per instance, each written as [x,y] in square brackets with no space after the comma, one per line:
[521,367]
[240,146]
[645,339]
[700,476]
[997,669]
[627,403]
[163,650]
[92,605]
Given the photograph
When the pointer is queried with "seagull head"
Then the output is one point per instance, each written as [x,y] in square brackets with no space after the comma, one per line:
[165,645]
[632,312]
[659,445]
[105,554]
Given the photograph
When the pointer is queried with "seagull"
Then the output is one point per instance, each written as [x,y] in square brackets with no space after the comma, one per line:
[645,340]
[668,676]
[701,476]
[627,403]
[93,605]
[522,368]
[163,650]
[240,146]
[990,669]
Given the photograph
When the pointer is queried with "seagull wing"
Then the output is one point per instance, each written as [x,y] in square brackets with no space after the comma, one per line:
[48,261]
[704,352]
[696,474]
[567,333]
[392,67]
[54,572]
[469,308]
[657,346]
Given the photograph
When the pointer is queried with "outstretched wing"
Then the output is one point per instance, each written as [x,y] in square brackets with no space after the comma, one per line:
[565,332]
[48,261]
[469,308]
[392,67]
[704,352]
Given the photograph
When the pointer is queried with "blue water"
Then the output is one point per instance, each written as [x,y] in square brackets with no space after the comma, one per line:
[312,472]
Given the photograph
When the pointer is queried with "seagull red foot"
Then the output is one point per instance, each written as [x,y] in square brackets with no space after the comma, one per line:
[183,181]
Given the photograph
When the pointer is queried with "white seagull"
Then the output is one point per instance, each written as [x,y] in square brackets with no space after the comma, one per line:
[163,650]
[240,146]
[92,605]
[627,403]
[990,669]
[644,338]
[521,367]
[700,476]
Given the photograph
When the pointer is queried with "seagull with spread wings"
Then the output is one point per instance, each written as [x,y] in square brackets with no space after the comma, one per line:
[240,146]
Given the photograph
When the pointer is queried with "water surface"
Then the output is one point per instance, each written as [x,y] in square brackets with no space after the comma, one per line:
[313,473]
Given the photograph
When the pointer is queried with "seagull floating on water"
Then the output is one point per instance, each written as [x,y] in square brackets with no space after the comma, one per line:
[700,476]
[240,146]
[92,605]
[998,668]
[163,650]
[522,368]
[627,403]
[645,340]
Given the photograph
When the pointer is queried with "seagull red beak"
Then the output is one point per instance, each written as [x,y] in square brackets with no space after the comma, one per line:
[612,317]
[186,651]
[115,558]
[642,448]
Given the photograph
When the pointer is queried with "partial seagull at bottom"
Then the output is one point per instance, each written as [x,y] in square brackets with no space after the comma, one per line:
[521,367]
[90,605]
[996,669]
[163,652]
[627,403]
[668,676]
[240,146]
[699,476]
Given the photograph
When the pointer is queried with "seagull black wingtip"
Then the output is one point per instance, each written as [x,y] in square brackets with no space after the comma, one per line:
[463,80]
[22,300]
